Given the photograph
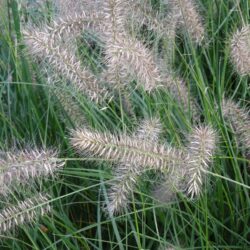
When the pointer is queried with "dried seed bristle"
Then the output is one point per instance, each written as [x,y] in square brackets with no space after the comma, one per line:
[149,130]
[114,12]
[73,25]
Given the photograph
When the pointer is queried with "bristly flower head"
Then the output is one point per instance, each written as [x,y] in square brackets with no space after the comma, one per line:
[65,63]
[126,149]
[239,118]
[126,174]
[24,212]
[114,17]
[149,130]
[125,181]
[201,147]
[126,58]
[190,19]
[130,57]
[67,7]
[240,50]
[19,167]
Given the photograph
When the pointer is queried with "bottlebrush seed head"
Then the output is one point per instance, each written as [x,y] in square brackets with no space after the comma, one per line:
[190,19]
[127,174]
[240,50]
[201,147]
[149,130]
[126,149]
[41,44]
[19,167]
[67,7]
[24,212]
[128,56]
[72,25]
[114,17]
[124,184]
[240,121]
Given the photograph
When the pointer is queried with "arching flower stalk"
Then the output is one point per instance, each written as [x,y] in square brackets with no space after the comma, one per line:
[115,12]
[73,25]
[126,57]
[162,23]
[67,7]
[135,155]
[130,59]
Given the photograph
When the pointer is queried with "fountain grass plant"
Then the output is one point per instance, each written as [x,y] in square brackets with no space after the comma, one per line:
[100,91]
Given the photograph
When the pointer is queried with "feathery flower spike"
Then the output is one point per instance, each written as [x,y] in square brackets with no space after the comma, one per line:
[142,13]
[126,174]
[240,50]
[41,44]
[123,185]
[128,56]
[201,147]
[149,130]
[19,167]
[125,148]
[73,25]
[67,7]
[24,212]
[190,19]
[114,12]
[239,118]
